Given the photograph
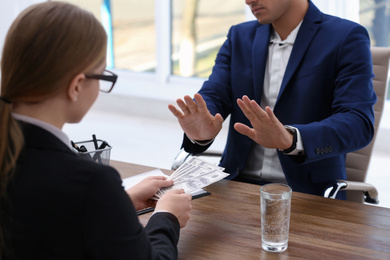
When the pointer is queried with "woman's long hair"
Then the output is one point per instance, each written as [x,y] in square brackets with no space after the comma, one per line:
[46,46]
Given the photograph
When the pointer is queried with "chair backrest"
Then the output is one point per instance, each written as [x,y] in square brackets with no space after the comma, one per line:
[357,162]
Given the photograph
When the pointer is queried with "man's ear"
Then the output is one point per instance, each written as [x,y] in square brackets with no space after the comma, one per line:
[75,87]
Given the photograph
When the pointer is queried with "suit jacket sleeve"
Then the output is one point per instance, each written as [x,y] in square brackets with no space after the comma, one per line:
[351,123]
[112,228]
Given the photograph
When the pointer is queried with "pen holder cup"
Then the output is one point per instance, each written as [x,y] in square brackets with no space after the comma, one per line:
[100,155]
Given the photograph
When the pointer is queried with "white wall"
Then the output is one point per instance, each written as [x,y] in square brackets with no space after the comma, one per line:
[8,12]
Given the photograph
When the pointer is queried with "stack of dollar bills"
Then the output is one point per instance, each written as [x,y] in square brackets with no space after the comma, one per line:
[192,175]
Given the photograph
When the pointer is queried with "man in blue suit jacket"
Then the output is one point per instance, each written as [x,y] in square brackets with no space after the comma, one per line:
[323,98]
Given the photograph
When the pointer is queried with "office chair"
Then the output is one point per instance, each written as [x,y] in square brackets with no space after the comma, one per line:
[357,162]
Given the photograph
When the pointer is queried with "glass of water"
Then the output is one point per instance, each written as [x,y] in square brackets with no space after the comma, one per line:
[275,201]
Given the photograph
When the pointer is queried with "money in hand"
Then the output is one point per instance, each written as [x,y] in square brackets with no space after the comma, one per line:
[192,175]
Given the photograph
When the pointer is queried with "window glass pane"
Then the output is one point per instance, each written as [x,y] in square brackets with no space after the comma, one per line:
[134,35]
[131,30]
[375,17]
[199,29]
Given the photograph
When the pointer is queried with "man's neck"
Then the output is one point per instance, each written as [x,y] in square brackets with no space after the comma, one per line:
[290,20]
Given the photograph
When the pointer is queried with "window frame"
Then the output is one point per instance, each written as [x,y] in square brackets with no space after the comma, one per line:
[161,83]
[164,85]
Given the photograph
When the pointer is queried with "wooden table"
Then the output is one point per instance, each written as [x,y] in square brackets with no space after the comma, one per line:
[226,225]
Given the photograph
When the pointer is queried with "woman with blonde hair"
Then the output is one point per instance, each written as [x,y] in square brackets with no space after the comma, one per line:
[54,204]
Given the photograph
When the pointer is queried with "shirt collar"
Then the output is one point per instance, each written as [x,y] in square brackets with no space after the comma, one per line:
[275,38]
[48,127]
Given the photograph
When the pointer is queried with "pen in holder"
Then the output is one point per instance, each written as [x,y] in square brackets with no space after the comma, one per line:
[96,150]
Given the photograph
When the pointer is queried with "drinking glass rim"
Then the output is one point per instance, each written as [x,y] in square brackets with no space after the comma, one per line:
[263,187]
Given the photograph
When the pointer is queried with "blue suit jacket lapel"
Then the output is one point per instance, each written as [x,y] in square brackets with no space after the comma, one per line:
[259,58]
[309,28]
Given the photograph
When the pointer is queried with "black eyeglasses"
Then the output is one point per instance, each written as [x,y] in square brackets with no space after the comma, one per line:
[106,80]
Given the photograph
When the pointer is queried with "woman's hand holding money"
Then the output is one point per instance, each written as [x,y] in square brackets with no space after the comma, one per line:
[141,193]
[178,203]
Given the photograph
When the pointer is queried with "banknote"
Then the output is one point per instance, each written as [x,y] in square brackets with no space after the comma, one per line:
[192,175]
